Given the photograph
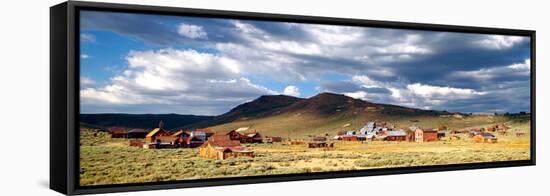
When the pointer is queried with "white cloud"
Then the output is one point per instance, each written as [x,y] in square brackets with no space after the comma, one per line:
[170,76]
[526,65]
[429,91]
[486,75]
[192,31]
[411,45]
[84,37]
[416,95]
[86,81]
[500,41]
[357,95]
[365,81]
[84,56]
[292,91]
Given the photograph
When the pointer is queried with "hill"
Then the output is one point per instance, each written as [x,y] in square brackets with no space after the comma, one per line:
[318,115]
[140,120]
[263,106]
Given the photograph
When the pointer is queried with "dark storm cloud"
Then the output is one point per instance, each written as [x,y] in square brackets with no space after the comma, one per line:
[156,29]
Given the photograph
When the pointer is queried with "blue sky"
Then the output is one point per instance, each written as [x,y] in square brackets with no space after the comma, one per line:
[137,63]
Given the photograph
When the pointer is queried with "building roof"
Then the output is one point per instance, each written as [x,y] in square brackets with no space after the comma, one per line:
[428,130]
[234,149]
[396,133]
[222,143]
[138,131]
[242,129]
[178,133]
[153,132]
[117,130]
[253,134]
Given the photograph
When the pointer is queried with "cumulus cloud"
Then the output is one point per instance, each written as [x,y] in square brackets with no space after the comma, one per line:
[84,56]
[292,91]
[86,81]
[192,31]
[515,71]
[500,41]
[171,76]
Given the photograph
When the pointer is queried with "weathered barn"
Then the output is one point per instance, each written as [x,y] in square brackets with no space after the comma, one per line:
[253,137]
[118,132]
[245,136]
[425,135]
[195,138]
[485,137]
[218,147]
[137,133]
[399,135]
[349,138]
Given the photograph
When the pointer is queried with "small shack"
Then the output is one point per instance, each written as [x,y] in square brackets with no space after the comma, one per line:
[349,138]
[425,135]
[118,132]
[485,138]
[219,147]
[253,137]
[137,133]
[399,135]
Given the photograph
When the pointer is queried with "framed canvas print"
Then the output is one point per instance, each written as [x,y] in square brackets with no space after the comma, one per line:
[147,97]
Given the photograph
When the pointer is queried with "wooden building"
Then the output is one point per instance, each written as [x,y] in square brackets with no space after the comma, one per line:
[396,136]
[155,135]
[425,135]
[245,137]
[348,138]
[219,147]
[485,138]
[137,133]
[118,132]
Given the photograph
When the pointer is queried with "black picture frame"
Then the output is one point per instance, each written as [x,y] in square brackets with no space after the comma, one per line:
[64,96]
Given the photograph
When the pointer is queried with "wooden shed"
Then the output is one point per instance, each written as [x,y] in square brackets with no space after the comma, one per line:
[348,138]
[118,132]
[137,133]
[396,136]
[223,148]
[425,135]
[485,138]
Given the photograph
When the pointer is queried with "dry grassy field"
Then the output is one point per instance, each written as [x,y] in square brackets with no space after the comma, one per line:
[104,160]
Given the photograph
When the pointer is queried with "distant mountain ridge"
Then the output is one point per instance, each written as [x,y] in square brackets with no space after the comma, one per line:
[141,120]
[324,106]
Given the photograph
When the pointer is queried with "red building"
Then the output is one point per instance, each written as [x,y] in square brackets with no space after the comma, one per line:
[396,136]
[425,135]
